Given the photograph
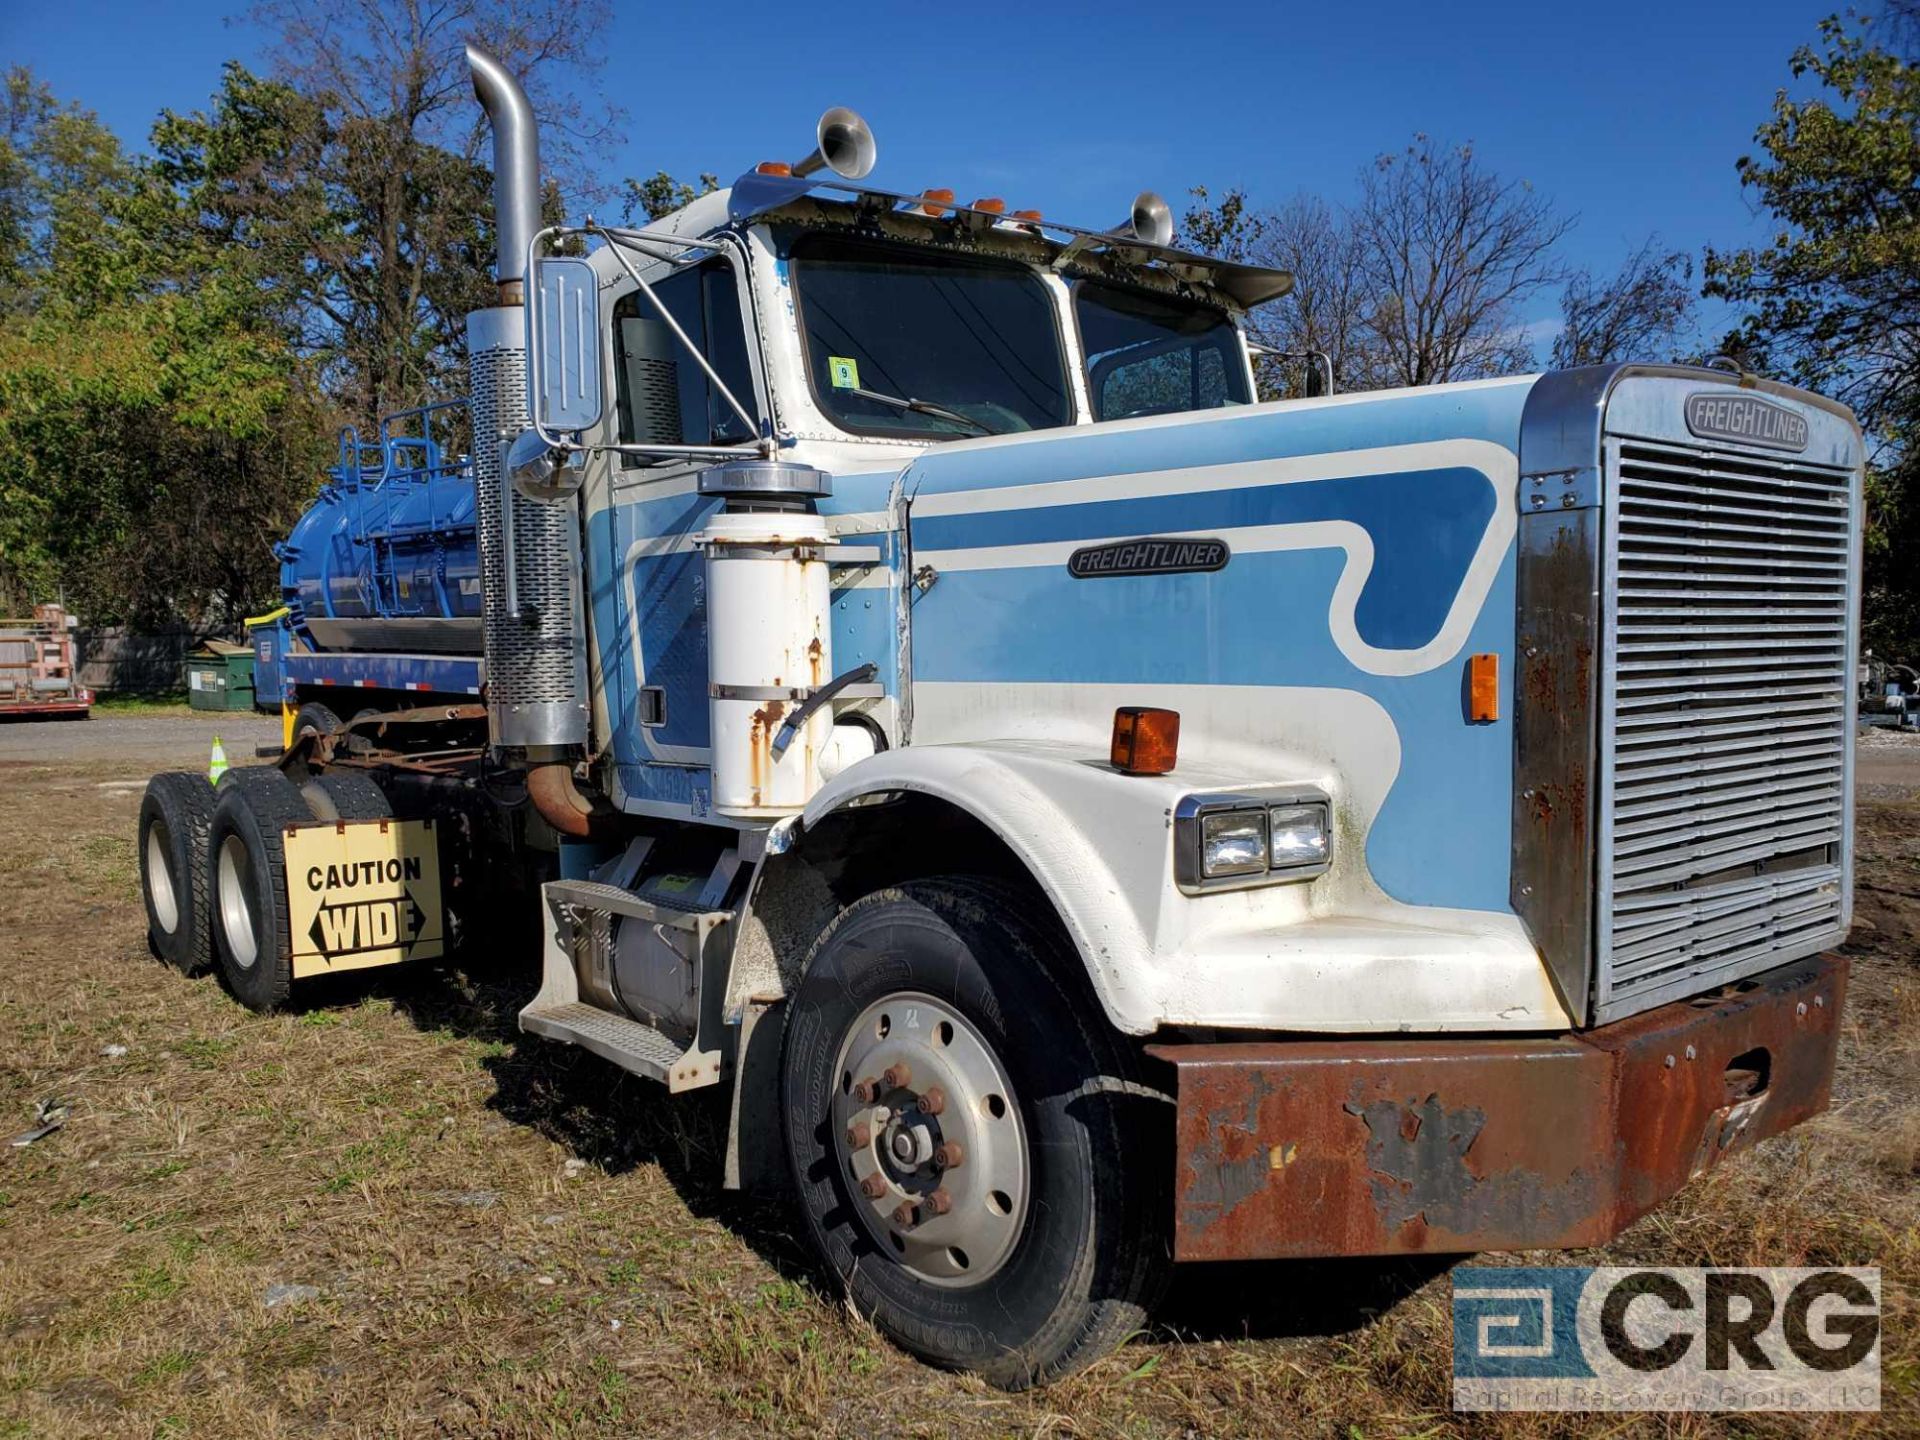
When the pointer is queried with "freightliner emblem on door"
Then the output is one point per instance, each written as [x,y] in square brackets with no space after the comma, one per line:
[1149,555]
[363,893]
[1745,420]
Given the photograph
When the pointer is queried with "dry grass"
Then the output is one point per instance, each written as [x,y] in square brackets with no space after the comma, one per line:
[403,1151]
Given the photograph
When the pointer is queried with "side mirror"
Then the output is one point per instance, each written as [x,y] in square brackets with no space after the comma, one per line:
[544,472]
[563,344]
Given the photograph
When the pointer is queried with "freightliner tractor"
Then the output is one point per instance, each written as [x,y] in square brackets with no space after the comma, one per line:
[1082,817]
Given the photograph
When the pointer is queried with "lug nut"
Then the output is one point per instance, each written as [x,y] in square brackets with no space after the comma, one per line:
[897,1076]
[933,1102]
[948,1155]
[859,1135]
[939,1202]
[905,1215]
[873,1187]
[866,1091]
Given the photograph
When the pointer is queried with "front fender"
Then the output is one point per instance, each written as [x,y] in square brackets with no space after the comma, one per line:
[1332,954]
[1036,799]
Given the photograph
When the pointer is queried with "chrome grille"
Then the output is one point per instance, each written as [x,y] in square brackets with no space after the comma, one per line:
[1725,704]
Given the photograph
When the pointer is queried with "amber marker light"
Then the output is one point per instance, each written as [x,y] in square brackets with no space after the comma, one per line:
[992,205]
[1483,689]
[773,167]
[1145,741]
[936,202]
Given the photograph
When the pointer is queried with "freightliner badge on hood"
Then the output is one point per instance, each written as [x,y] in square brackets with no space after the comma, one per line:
[1149,555]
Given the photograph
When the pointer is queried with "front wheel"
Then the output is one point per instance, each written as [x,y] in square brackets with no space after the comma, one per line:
[977,1161]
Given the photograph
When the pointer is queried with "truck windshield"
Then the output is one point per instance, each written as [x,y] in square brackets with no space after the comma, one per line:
[922,344]
[1151,354]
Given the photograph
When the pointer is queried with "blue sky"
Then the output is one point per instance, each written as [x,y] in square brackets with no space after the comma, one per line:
[1630,115]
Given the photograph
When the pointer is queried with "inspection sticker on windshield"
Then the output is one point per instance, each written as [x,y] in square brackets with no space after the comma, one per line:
[844,372]
[362,893]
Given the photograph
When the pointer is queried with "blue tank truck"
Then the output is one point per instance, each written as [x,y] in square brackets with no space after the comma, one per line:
[380,582]
[1084,818]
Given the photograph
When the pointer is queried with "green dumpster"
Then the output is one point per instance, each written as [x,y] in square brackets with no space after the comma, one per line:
[220,677]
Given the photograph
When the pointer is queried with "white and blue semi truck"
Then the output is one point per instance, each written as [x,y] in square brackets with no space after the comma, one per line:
[1086,818]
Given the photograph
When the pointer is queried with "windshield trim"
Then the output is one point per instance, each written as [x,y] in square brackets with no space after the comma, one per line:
[1039,277]
[1086,356]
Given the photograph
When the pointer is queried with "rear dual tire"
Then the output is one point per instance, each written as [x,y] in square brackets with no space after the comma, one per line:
[174,817]
[246,885]
[213,868]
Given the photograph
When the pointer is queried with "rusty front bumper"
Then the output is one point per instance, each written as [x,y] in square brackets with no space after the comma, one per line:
[1446,1146]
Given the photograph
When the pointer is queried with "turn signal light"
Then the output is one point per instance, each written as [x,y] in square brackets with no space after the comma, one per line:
[1145,741]
[1483,689]
[773,167]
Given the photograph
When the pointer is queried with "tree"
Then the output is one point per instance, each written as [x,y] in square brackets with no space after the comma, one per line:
[153,431]
[383,174]
[1420,282]
[1834,301]
[1330,307]
[1641,313]
[60,170]
[1451,252]
[1230,228]
[660,194]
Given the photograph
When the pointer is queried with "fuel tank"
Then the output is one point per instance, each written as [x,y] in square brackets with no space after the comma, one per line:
[387,557]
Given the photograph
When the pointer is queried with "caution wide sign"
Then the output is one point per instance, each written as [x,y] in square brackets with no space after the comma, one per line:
[362,893]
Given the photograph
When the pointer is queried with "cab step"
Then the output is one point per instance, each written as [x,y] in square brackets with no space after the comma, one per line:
[579,1005]
[630,1044]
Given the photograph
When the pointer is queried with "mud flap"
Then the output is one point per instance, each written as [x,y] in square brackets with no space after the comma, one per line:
[363,893]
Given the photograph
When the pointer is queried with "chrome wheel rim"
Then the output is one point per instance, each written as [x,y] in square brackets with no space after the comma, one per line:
[928,1131]
[166,905]
[236,913]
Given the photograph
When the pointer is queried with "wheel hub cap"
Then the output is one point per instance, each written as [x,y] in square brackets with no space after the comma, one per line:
[236,912]
[166,906]
[937,1156]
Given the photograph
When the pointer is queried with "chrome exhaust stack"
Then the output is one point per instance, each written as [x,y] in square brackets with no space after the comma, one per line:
[516,169]
[529,552]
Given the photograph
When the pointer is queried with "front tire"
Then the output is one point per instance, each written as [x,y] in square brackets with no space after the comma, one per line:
[1037,1242]
[246,885]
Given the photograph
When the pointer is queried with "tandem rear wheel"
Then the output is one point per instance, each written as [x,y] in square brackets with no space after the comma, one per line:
[976,1160]
[213,868]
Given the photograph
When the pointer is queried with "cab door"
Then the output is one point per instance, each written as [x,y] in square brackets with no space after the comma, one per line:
[655,661]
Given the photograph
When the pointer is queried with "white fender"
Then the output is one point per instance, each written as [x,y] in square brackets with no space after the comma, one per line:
[1332,954]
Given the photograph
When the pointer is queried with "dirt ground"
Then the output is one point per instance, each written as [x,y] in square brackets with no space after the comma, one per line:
[389,1214]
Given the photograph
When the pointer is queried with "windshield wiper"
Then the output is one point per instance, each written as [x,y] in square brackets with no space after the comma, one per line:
[923,407]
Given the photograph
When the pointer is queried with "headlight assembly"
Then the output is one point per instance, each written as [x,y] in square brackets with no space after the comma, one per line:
[1233,842]
[1253,837]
